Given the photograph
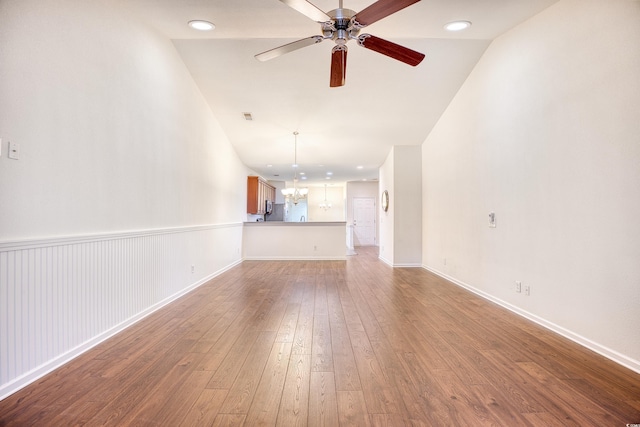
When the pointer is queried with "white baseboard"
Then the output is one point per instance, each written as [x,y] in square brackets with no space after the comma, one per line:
[32,376]
[610,354]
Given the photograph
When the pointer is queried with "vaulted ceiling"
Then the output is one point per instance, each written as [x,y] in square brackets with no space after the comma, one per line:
[383,103]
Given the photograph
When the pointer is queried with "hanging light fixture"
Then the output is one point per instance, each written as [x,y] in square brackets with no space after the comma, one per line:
[294,192]
[326,205]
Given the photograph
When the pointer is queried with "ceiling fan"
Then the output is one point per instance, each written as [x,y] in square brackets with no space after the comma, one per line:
[342,25]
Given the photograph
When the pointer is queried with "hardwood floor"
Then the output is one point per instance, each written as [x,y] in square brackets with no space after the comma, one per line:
[331,343]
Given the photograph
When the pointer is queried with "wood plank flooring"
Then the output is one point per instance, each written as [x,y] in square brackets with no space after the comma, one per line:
[331,343]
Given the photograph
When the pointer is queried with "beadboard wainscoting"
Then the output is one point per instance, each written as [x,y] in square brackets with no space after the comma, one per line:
[62,296]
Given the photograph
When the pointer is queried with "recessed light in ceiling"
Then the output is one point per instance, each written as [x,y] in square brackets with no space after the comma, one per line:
[201,25]
[457,25]
[329,173]
[359,167]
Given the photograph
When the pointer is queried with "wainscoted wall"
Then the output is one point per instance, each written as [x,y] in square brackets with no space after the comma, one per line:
[61,296]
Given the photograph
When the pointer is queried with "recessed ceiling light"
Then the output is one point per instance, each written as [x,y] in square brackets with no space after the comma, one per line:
[201,25]
[359,167]
[328,177]
[301,173]
[329,173]
[294,166]
[303,177]
[269,166]
[457,25]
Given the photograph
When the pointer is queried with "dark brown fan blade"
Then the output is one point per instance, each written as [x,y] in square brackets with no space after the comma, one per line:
[390,49]
[290,47]
[307,9]
[338,66]
[381,9]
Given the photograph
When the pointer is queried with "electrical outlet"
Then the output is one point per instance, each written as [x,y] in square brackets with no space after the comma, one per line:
[193,268]
[518,286]
[315,248]
[527,290]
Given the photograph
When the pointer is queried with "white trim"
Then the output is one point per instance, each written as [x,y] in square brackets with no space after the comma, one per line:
[610,354]
[381,258]
[87,238]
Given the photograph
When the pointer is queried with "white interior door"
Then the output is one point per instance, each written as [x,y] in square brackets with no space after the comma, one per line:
[364,221]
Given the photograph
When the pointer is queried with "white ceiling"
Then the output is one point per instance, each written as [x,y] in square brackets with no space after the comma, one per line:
[384,102]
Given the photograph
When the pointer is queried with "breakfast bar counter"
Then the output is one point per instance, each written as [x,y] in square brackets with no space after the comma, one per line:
[278,240]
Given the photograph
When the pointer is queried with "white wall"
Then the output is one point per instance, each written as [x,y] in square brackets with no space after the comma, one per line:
[546,133]
[113,131]
[386,174]
[335,195]
[115,137]
[407,195]
[401,226]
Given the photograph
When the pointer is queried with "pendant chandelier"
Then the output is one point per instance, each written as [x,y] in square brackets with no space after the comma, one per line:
[294,193]
[326,205]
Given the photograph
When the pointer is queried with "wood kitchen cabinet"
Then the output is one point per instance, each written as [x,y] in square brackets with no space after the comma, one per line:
[258,192]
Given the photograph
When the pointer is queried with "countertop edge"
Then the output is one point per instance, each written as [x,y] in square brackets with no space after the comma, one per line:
[294,224]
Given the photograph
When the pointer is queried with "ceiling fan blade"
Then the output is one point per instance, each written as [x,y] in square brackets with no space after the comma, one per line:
[290,47]
[338,66]
[390,49]
[307,9]
[379,10]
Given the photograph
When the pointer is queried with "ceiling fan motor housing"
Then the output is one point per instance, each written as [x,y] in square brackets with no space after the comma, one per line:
[340,29]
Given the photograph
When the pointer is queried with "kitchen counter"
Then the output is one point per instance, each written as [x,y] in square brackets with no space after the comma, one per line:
[279,240]
[311,223]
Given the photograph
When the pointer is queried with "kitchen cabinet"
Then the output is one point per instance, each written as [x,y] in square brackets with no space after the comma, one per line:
[258,192]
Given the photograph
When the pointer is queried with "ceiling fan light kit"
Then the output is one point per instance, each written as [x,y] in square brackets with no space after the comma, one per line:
[342,25]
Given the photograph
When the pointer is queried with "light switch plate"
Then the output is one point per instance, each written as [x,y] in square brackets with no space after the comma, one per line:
[14,150]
